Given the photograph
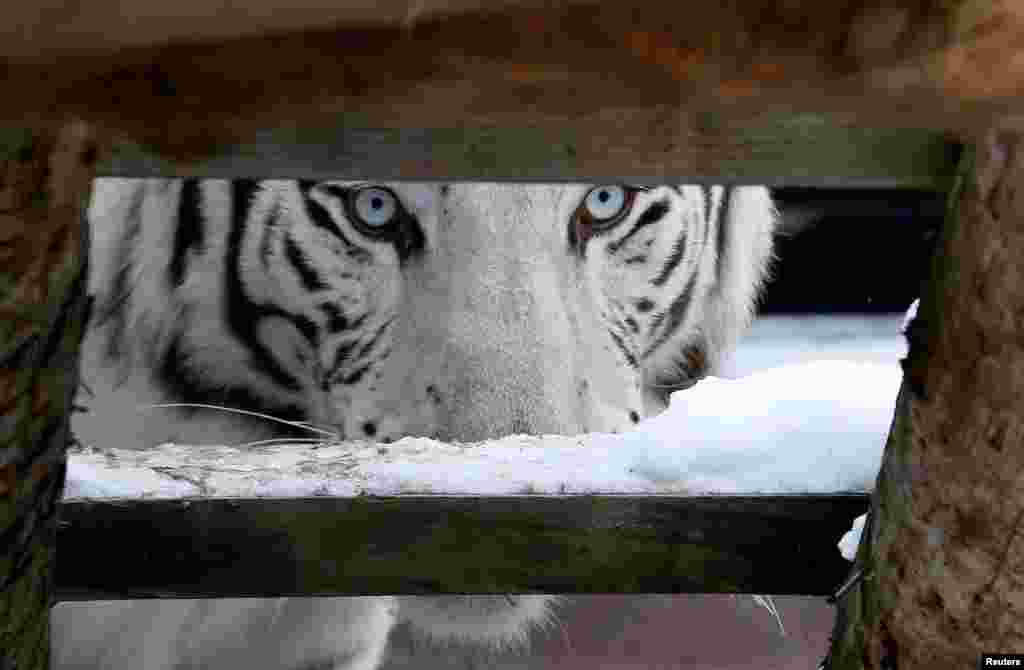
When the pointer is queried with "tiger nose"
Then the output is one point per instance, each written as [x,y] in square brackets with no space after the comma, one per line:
[494,391]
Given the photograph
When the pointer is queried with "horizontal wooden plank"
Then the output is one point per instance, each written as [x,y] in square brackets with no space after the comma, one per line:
[445,544]
[38,30]
[645,462]
[641,82]
[790,150]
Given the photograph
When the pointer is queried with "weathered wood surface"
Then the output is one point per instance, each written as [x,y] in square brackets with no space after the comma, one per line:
[420,516]
[43,187]
[631,88]
[440,544]
[792,150]
[634,463]
[945,557]
[48,28]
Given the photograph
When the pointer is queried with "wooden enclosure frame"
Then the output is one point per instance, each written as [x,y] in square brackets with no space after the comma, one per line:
[803,92]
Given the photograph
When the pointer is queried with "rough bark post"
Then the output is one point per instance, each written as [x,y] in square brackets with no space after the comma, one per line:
[44,184]
[944,559]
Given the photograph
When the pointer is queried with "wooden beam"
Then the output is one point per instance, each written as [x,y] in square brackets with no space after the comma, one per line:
[640,80]
[363,518]
[44,185]
[442,544]
[791,150]
[944,557]
[49,28]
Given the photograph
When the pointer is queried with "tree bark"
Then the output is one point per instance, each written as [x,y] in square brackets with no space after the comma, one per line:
[944,558]
[44,187]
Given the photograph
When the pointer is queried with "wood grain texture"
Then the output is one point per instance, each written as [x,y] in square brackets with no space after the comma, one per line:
[608,67]
[944,557]
[803,150]
[37,31]
[44,184]
[443,544]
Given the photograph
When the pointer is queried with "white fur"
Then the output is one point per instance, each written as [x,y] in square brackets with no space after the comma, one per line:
[232,633]
[510,327]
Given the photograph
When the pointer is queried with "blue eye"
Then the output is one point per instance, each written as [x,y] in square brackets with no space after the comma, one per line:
[606,204]
[375,207]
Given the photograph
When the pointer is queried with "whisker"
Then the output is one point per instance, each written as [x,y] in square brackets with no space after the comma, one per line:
[294,424]
[769,604]
[280,440]
[314,426]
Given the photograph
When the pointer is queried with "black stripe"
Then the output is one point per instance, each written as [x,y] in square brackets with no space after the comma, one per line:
[308,329]
[678,251]
[185,386]
[374,339]
[571,238]
[341,357]
[676,314]
[171,373]
[722,233]
[337,322]
[343,354]
[409,240]
[320,217]
[188,231]
[242,314]
[117,305]
[272,221]
[342,193]
[356,375]
[311,279]
[655,323]
[630,357]
[706,190]
[655,213]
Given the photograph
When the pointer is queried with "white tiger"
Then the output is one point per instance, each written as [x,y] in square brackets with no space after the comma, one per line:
[461,312]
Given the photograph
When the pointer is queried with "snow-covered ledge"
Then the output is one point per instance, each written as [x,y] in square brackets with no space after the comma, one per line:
[814,428]
[748,500]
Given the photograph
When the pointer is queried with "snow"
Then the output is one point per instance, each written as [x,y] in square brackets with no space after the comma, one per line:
[95,474]
[784,340]
[810,428]
[851,539]
[801,419]
[910,315]
[808,402]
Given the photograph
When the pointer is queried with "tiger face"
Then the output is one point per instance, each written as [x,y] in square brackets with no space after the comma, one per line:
[380,310]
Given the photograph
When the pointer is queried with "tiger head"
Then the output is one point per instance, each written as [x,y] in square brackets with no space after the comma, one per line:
[381,310]
[461,312]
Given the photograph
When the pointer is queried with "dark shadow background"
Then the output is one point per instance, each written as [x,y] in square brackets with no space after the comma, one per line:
[843,251]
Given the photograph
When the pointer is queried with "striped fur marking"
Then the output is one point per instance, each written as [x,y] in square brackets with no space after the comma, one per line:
[376,311]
